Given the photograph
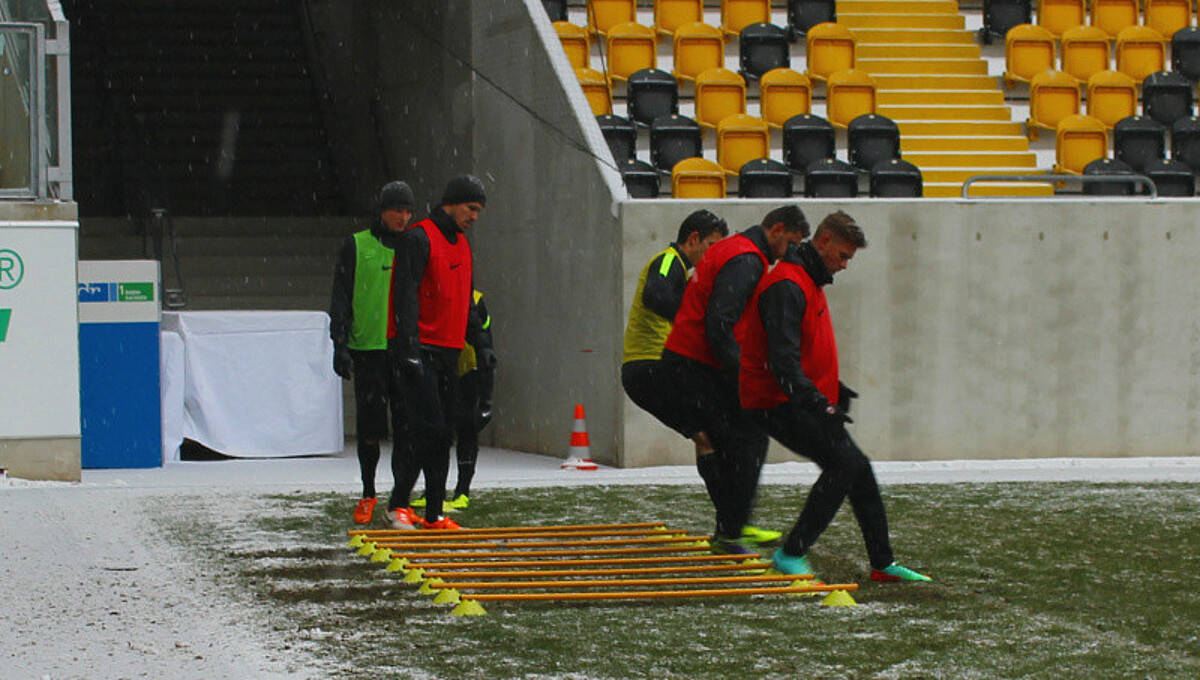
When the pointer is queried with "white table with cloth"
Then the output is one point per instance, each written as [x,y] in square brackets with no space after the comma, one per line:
[257,384]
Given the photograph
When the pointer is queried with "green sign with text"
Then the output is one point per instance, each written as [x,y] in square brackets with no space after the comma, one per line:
[5,315]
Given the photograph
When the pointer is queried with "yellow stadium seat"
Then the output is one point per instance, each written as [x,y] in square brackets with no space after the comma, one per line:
[848,95]
[1111,96]
[738,14]
[1057,16]
[1053,95]
[604,14]
[1168,16]
[1084,51]
[596,89]
[1141,50]
[631,48]
[698,47]
[1111,16]
[741,139]
[1028,51]
[1079,140]
[719,93]
[783,93]
[697,178]
[669,15]
[830,48]
[575,43]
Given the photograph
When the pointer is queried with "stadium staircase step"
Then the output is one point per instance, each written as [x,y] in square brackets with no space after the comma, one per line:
[932,80]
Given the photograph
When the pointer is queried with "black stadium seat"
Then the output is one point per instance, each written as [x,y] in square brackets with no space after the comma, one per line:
[1185,142]
[1001,15]
[764,178]
[1108,166]
[1167,96]
[830,178]
[763,47]
[1185,52]
[641,179]
[1137,140]
[1171,177]
[872,138]
[896,178]
[620,134]
[672,139]
[557,9]
[804,14]
[651,93]
[807,138]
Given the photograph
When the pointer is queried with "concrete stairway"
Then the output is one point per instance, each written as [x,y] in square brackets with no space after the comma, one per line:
[933,81]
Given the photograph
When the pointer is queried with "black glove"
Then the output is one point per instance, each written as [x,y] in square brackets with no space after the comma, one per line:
[485,413]
[833,421]
[485,358]
[845,396]
[343,364]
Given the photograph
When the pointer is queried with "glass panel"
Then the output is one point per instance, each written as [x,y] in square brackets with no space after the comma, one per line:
[16,46]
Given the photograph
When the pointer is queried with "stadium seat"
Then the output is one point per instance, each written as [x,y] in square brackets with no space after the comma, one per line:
[672,139]
[1053,95]
[604,14]
[1185,52]
[999,16]
[1111,96]
[830,178]
[1140,52]
[806,139]
[1079,140]
[698,47]
[872,139]
[783,93]
[1108,166]
[1057,16]
[1171,177]
[1028,51]
[631,48]
[1084,51]
[697,178]
[556,9]
[1167,96]
[651,93]
[761,48]
[719,93]
[596,89]
[620,134]
[740,139]
[896,178]
[738,14]
[1185,142]
[1137,140]
[669,15]
[804,14]
[1111,16]
[848,95]
[764,178]
[830,48]
[1168,16]
[575,43]
[641,179]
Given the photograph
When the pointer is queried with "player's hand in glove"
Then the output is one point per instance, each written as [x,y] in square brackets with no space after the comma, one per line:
[343,364]
[834,421]
[845,397]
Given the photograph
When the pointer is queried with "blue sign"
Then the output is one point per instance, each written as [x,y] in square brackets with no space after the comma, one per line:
[97,292]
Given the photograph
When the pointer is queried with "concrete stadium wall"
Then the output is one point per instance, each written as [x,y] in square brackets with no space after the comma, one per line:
[992,329]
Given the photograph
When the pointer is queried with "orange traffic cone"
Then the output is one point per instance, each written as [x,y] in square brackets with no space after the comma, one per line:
[579,456]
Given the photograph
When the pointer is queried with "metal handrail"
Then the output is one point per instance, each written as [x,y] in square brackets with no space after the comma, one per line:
[1054,179]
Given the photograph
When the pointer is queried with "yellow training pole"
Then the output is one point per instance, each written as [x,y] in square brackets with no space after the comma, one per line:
[614,583]
[423,536]
[559,527]
[384,543]
[702,568]
[656,559]
[660,594]
[545,553]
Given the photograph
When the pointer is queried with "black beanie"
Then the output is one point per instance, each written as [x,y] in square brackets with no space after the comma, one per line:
[463,189]
[395,195]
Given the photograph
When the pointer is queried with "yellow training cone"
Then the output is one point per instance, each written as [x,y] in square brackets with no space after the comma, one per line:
[469,608]
[355,541]
[427,588]
[414,576]
[400,564]
[368,548]
[447,596]
[382,555]
[839,598]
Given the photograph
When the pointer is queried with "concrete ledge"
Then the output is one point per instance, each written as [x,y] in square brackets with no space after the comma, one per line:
[52,459]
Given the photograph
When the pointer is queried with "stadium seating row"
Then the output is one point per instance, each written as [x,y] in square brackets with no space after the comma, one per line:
[1111,16]
[1139,51]
[670,15]
[1167,96]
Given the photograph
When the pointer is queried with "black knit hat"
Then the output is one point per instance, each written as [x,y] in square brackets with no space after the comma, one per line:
[394,196]
[464,189]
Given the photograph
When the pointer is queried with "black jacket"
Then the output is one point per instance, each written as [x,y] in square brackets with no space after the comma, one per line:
[732,289]
[781,307]
[663,294]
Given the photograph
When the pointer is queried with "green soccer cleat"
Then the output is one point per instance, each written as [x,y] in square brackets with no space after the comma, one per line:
[461,502]
[792,565]
[419,503]
[760,536]
[895,572]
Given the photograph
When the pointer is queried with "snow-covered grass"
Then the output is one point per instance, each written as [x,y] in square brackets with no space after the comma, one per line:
[1031,580]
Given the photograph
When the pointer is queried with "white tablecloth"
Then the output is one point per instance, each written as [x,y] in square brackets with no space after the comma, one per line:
[170,386]
[259,383]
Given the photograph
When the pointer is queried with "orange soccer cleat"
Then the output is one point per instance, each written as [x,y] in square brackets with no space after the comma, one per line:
[364,511]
